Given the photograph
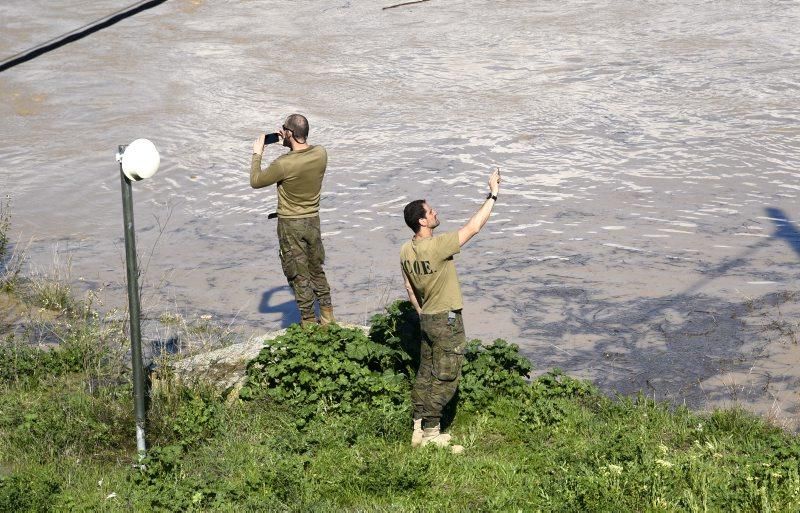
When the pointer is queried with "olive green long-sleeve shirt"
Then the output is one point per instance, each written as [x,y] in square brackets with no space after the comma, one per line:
[299,176]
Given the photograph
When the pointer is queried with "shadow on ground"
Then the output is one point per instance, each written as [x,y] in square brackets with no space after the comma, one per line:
[677,348]
[288,309]
[784,228]
[688,348]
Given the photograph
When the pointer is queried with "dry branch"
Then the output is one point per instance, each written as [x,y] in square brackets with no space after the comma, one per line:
[404,3]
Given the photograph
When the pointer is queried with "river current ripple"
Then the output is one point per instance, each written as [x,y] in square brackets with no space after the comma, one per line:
[650,158]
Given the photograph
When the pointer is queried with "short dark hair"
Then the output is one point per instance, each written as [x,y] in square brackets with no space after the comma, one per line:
[298,124]
[413,212]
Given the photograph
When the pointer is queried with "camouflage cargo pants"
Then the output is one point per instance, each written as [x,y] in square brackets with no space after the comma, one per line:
[441,355]
[302,257]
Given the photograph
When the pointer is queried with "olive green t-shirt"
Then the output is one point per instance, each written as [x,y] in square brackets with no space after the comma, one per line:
[428,264]
[299,176]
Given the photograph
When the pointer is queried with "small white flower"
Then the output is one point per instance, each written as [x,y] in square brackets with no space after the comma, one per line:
[111,495]
[665,463]
[615,469]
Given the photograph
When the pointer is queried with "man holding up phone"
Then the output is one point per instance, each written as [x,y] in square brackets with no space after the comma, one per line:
[298,175]
[433,288]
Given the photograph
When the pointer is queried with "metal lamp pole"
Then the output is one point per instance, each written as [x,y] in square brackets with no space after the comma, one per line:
[133,307]
[140,161]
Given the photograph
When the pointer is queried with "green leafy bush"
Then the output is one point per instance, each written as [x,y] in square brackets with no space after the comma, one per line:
[183,413]
[318,369]
[492,371]
[163,480]
[552,396]
[398,328]
[198,417]
[555,384]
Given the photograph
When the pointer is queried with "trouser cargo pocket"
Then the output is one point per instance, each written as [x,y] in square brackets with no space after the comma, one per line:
[448,345]
[447,367]
[288,262]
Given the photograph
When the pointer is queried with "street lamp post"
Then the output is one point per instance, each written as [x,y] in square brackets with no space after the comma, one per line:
[137,161]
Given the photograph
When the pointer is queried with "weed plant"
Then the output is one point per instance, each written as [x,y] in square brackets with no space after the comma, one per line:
[551,444]
[10,260]
[5,225]
[197,332]
[51,289]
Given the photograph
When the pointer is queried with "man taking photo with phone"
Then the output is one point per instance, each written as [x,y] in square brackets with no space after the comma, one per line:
[298,175]
[433,288]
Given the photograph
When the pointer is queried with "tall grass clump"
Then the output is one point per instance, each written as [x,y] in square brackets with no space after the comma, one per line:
[10,259]
[81,342]
[51,289]
[5,226]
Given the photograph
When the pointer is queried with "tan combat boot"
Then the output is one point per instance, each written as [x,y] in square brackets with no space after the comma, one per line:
[417,434]
[436,437]
[326,315]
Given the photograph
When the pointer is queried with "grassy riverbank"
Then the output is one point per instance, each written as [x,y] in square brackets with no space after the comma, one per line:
[323,425]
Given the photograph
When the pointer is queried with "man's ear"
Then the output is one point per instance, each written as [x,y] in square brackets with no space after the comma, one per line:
[423,222]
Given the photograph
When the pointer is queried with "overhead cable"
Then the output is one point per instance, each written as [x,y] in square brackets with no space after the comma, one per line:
[77,34]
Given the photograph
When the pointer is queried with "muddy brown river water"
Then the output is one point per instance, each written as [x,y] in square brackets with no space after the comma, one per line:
[647,234]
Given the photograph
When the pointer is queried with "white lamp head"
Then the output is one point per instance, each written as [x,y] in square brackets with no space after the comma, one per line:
[140,160]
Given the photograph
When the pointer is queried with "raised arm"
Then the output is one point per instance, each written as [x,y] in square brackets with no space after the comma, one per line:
[474,225]
[258,177]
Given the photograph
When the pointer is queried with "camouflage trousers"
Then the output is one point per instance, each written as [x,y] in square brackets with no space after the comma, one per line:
[442,351]
[302,257]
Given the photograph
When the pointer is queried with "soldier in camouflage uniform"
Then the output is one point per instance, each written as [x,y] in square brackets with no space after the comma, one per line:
[433,288]
[298,175]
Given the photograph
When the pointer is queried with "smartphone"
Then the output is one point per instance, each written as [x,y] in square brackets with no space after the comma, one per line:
[271,138]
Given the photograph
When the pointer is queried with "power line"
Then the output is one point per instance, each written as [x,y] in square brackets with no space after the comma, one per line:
[77,34]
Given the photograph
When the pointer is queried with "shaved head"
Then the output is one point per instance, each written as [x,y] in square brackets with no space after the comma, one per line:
[298,124]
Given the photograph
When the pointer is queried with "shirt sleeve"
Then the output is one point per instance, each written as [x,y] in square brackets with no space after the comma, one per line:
[447,245]
[262,178]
